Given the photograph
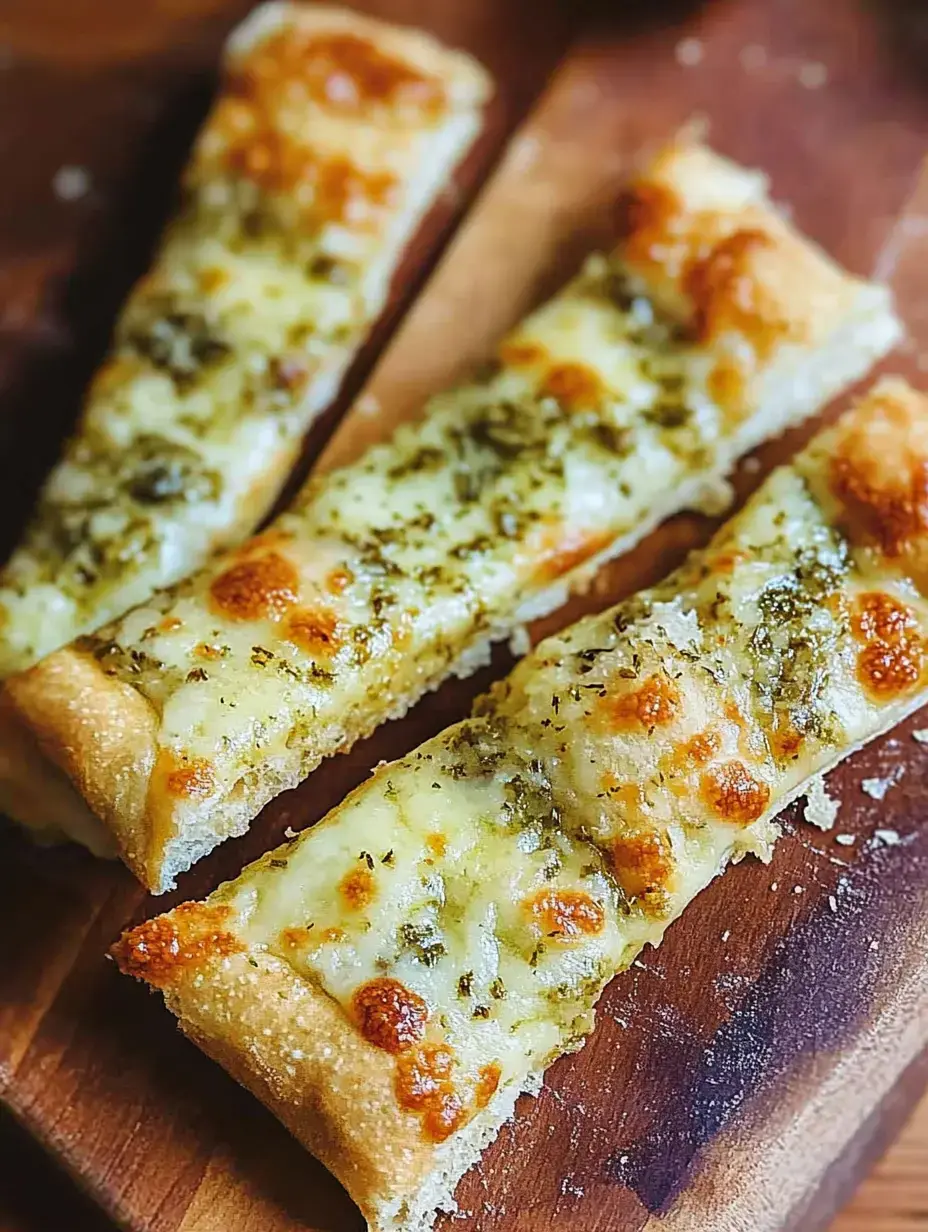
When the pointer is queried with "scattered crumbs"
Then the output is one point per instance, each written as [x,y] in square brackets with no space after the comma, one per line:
[690,52]
[874,944]
[568,1187]
[846,840]
[832,904]
[753,57]
[774,885]
[821,808]
[813,75]
[877,788]
[798,889]
[519,641]
[889,838]
[726,934]
[289,832]
[639,963]
[921,735]
[368,405]
[71,183]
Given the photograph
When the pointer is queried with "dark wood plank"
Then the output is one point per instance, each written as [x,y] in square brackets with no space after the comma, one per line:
[708,1095]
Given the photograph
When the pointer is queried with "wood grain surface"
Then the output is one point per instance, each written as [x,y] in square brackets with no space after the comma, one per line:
[37,1196]
[739,1075]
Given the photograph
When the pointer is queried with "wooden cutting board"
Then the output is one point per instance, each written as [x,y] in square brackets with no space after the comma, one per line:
[739,1074]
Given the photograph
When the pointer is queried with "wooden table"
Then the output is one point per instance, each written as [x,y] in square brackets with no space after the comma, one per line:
[847,159]
[36,1197]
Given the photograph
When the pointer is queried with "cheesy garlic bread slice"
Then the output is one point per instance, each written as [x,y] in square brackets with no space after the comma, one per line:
[622,400]
[389,981]
[331,136]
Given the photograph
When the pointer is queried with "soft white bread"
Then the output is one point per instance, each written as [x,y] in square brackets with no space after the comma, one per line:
[624,399]
[331,136]
[389,981]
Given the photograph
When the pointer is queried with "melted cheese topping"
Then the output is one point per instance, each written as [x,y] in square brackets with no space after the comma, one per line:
[320,154]
[597,418]
[491,882]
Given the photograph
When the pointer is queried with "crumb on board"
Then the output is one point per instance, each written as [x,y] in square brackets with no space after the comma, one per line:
[888,838]
[821,808]
[876,788]
[774,885]
[519,641]
[813,75]
[368,405]
[70,183]
[832,904]
[726,934]
[798,889]
[846,840]
[689,52]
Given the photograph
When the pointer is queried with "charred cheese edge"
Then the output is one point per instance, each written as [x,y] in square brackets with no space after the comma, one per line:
[389,980]
[331,136]
[622,400]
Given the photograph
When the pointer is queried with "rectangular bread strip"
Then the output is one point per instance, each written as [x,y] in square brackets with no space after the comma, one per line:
[332,135]
[622,400]
[388,981]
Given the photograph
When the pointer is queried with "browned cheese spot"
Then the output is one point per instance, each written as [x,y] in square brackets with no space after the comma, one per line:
[653,704]
[726,294]
[701,748]
[389,1015]
[562,548]
[566,915]
[358,888]
[643,863]
[879,471]
[260,588]
[733,794]
[314,630]
[189,778]
[892,657]
[575,386]
[341,72]
[647,213]
[339,580]
[296,938]
[211,278]
[785,739]
[189,936]
[437,844]
[487,1084]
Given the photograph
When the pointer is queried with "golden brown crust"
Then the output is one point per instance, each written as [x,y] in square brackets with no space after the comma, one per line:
[294,1048]
[379,62]
[879,474]
[717,255]
[102,734]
